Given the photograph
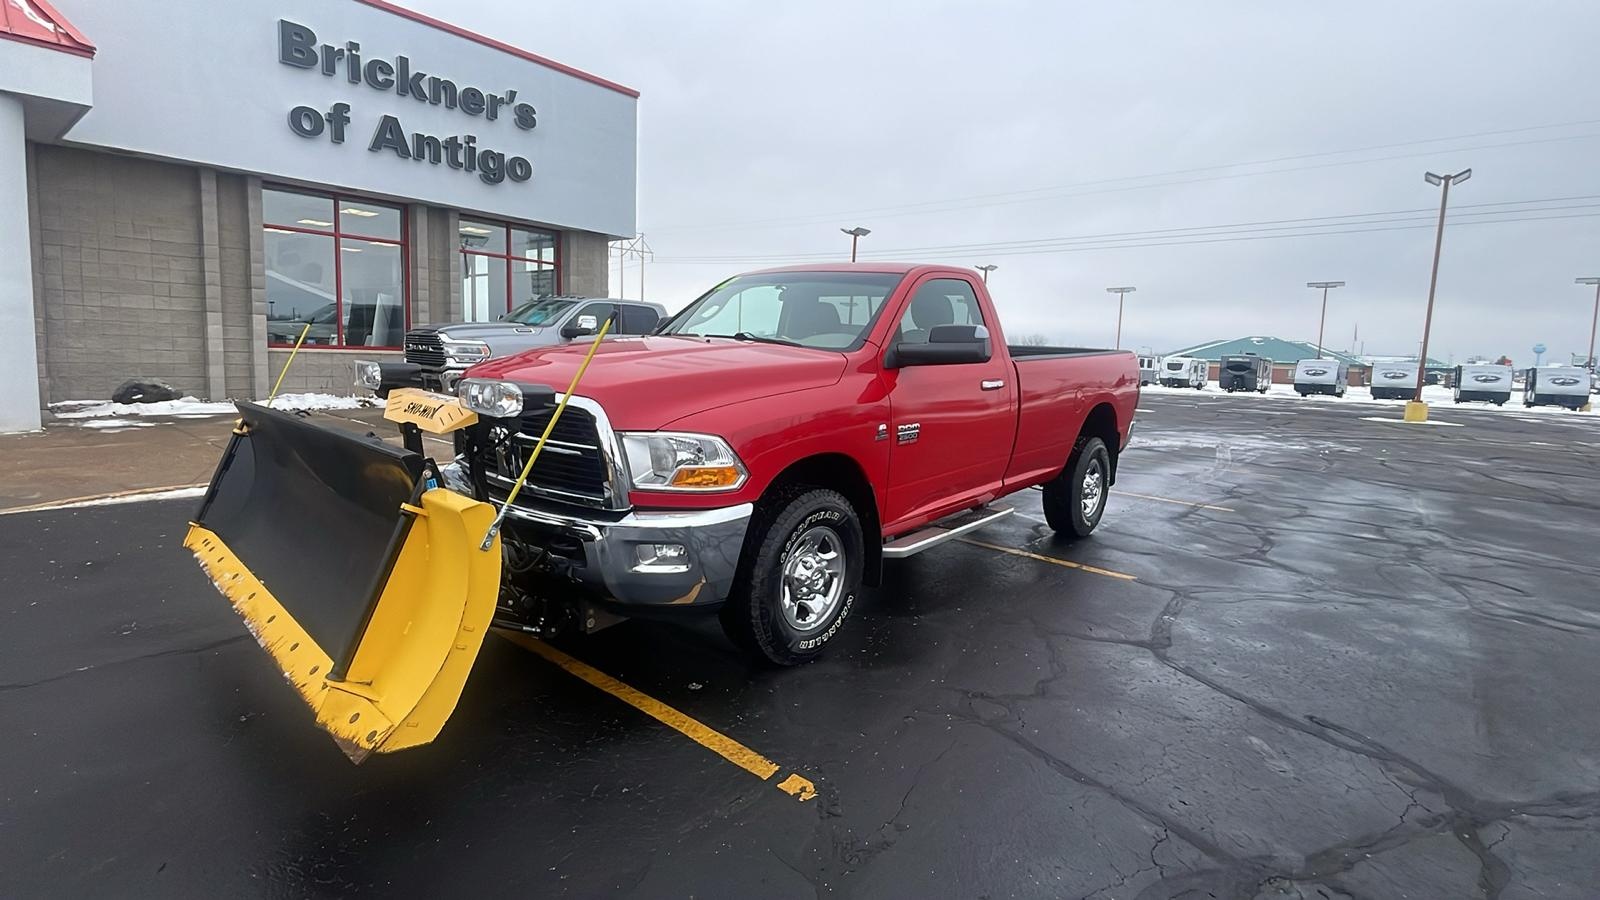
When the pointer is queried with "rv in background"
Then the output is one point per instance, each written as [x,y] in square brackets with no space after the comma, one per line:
[1484,383]
[1321,376]
[1184,371]
[1149,370]
[1394,381]
[1247,372]
[1556,386]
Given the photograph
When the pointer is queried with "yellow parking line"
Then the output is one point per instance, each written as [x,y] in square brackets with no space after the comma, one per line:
[1067,563]
[726,747]
[1170,500]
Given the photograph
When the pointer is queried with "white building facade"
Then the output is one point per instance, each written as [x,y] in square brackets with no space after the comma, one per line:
[187,188]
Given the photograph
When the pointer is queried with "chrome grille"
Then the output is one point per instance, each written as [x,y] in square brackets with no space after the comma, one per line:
[574,466]
[425,349]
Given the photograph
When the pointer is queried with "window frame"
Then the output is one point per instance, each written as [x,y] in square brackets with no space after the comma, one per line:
[642,309]
[505,226]
[338,234]
[920,286]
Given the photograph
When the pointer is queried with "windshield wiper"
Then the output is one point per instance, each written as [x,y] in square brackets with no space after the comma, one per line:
[747,336]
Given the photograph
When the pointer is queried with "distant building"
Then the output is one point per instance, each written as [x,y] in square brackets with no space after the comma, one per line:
[1283,353]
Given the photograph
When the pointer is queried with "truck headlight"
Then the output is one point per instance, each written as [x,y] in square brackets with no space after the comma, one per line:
[467,351]
[369,375]
[496,399]
[673,461]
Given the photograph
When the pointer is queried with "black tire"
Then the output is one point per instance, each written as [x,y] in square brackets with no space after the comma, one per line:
[1064,495]
[754,616]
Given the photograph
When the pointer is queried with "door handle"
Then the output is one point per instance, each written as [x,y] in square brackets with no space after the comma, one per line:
[993,384]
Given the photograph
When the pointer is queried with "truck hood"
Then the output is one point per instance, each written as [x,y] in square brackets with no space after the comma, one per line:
[646,382]
[478,331]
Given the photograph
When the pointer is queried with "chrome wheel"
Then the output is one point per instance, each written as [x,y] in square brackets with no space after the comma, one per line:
[813,578]
[1093,489]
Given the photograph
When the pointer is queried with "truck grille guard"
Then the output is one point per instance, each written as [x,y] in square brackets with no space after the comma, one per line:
[582,463]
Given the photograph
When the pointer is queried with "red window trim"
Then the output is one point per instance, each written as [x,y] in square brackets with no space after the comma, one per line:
[506,226]
[338,236]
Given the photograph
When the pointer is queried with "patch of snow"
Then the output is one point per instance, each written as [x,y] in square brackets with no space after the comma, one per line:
[195,408]
[114,423]
[1404,422]
[115,500]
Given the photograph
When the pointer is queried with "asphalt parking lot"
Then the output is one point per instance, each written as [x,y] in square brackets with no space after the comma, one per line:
[1307,654]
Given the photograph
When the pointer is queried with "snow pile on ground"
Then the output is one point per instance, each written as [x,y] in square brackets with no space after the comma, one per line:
[193,407]
[115,423]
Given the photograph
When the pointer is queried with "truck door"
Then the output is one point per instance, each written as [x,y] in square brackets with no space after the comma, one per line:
[951,426]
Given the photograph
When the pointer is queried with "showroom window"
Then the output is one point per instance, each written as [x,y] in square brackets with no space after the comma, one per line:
[503,267]
[337,264]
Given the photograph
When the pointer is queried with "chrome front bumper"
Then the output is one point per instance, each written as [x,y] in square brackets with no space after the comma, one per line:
[609,563]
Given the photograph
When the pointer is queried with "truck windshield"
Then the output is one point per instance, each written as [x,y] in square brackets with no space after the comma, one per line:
[826,310]
[544,311]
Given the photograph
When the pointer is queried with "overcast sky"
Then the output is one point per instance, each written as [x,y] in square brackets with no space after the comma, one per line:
[764,128]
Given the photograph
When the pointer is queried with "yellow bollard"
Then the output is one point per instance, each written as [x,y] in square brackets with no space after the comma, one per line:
[1416,411]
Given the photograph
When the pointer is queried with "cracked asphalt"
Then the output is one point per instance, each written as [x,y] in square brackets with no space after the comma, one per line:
[1362,664]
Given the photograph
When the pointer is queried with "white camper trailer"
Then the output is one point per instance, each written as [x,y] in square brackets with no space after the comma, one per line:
[1394,381]
[1556,386]
[1149,370]
[1485,383]
[1184,371]
[1321,376]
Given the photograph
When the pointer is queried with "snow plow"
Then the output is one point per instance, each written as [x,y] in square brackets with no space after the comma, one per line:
[368,581]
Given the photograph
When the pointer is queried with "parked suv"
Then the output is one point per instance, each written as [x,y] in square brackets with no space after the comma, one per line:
[445,351]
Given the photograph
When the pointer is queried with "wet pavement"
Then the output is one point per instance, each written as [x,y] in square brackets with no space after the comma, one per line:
[1356,659]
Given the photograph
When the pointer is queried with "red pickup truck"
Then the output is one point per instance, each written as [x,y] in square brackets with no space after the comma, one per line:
[770,445]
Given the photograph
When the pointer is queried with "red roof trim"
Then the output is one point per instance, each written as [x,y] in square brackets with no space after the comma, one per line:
[473,36]
[66,37]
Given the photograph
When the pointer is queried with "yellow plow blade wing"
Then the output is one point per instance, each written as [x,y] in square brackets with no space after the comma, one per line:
[368,590]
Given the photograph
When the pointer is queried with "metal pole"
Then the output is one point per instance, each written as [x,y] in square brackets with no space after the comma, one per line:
[853,239]
[1120,298]
[1322,322]
[1433,282]
[1592,323]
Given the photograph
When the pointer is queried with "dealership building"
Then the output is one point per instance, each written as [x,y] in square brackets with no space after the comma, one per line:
[187,188]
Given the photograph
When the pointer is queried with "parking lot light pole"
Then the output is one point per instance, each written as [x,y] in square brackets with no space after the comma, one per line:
[1122,294]
[986,268]
[1593,322]
[1323,321]
[856,234]
[1416,410]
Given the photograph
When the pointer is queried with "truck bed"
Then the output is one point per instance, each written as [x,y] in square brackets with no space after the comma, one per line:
[1058,389]
[1033,351]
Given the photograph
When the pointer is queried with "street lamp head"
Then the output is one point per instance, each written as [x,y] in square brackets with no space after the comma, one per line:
[1324,284]
[1587,281]
[857,231]
[986,267]
[1461,176]
[1433,179]
[1121,290]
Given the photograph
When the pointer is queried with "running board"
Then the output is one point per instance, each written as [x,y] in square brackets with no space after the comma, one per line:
[947,529]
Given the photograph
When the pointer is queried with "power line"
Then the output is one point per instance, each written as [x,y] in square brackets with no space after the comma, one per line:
[1023,196]
[1218,238]
[1380,217]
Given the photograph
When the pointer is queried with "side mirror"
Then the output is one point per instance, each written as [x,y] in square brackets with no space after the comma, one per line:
[579,327]
[947,345]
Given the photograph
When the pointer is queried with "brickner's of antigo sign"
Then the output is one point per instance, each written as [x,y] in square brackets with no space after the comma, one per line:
[298,47]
